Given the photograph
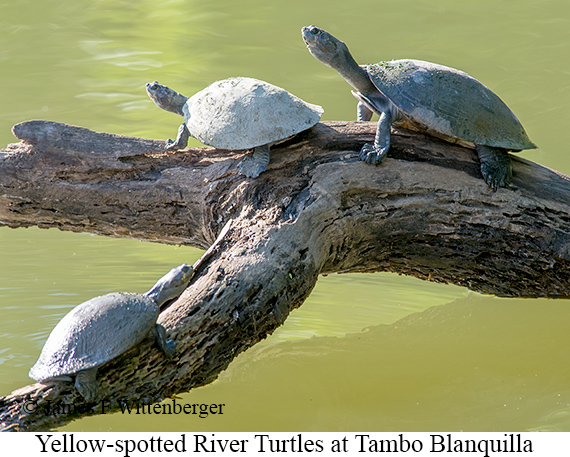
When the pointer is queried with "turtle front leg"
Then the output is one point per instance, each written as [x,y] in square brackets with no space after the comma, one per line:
[366,106]
[363,112]
[181,140]
[253,165]
[374,153]
[496,166]
[168,347]
[86,383]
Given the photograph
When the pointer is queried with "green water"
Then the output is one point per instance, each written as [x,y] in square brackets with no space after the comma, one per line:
[366,352]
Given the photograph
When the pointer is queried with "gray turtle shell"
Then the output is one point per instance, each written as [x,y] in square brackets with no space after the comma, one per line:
[449,102]
[243,113]
[95,332]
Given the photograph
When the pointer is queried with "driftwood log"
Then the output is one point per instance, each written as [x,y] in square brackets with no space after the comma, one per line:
[424,212]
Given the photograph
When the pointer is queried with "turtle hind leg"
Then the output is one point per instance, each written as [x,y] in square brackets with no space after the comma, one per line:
[168,347]
[496,166]
[181,140]
[86,383]
[253,165]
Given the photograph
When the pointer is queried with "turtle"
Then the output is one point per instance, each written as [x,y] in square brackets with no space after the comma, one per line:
[236,114]
[105,327]
[439,100]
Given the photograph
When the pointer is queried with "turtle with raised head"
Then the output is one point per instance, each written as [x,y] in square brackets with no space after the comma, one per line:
[237,114]
[105,327]
[425,96]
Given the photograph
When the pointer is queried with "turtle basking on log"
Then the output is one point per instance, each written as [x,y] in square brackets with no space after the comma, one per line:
[105,327]
[441,101]
[237,114]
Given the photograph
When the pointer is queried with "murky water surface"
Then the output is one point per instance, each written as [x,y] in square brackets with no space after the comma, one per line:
[365,352]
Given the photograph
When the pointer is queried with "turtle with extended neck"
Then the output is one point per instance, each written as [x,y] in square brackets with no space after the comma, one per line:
[438,100]
[236,114]
[103,328]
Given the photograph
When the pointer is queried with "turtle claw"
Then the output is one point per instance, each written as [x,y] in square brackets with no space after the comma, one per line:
[87,391]
[169,348]
[371,154]
[181,141]
[170,145]
[496,166]
[250,168]
[86,383]
[255,164]
[496,178]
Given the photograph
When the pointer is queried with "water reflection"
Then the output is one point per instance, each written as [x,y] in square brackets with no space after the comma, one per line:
[469,365]
[133,59]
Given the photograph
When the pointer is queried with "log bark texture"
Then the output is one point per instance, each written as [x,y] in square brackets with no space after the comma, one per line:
[424,212]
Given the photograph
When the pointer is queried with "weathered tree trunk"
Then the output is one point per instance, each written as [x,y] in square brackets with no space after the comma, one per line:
[424,212]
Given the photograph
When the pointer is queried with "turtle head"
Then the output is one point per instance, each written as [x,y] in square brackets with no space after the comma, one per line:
[334,53]
[172,284]
[166,98]
[324,47]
